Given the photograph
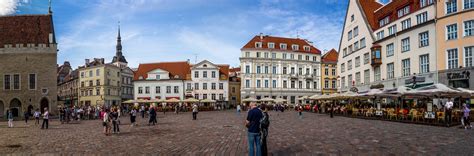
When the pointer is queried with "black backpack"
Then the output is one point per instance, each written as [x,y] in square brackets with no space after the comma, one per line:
[264,122]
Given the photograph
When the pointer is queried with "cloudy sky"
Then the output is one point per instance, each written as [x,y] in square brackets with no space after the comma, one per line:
[177,30]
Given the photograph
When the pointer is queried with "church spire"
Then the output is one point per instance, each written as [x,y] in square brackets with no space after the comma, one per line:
[118,53]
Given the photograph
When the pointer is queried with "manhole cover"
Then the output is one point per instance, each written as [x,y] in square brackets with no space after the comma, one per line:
[13,146]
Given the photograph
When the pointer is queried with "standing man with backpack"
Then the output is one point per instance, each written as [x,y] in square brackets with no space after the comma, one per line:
[264,124]
[253,129]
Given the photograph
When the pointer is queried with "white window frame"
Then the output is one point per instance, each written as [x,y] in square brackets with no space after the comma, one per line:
[377,73]
[424,63]
[283,46]
[424,39]
[422,17]
[406,67]
[470,29]
[390,52]
[367,76]
[449,6]
[405,44]
[258,44]
[392,29]
[468,59]
[455,61]
[406,24]
[362,43]
[390,71]
[452,31]
[271,45]
[470,4]
[366,58]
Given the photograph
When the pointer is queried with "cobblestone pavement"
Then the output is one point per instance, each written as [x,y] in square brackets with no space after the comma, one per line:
[223,133]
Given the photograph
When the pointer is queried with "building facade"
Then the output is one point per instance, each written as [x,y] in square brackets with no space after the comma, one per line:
[234,87]
[100,84]
[388,45]
[278,67]
[181,80]
[455,42]
[329,72]
[68,89]
[126,74]
[28,52]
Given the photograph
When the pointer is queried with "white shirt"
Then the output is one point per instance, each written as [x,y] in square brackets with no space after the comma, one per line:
[46,115]
[449,104]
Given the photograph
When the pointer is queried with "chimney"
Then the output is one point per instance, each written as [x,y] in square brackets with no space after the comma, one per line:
[188,61]
[102,60]
[261,36]
[87,62]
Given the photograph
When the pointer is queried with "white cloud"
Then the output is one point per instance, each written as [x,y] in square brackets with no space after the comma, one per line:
[8,7]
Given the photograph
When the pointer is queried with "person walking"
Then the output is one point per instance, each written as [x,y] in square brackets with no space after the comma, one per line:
[115,117]
[238,109]
[106,122]
[37,117]
[195,111]
[264,124]
[448,109]
[152,116]
[466,111]
[142,110]
[45,118]
[133,117]
[27,117]
[163,106]
[253,130]
[300,111]
[10,118]
[331,111]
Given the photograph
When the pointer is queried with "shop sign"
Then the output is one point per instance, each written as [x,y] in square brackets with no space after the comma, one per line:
[429,115]
[415,79]
[354,89]
[459,75]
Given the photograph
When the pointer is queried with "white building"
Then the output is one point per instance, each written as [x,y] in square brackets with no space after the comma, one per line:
[181,80]
[387,45]
[278,67]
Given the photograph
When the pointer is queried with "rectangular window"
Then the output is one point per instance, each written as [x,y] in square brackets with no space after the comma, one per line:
[377,74]
[343,82]
[258,83]
[424,3]
[285,84]
[284,56]
[258,44]
[362,43]
[380,35]
[213,74]
[204,96]
[350,49]
[271,45]
[356,31]
[213,96]
[204,86]
[282,46]
[333,72]
[265,55]
[213,86]
[404,11]
[284,70]
[384,21]
[147,90]
[97,72]
[157,89]
[196,96]
[247,69]
[274,55]
[349,35]
[469,27]
[424,39]
[140,90]
[326,71]
[97,91]
[390,49]
[357,61]
[176,89]
[366,76]
[293,84]
[333,84]
[406,44]
[357,78]
[7,82]
[406,67]
[306,48]
[168,89]
[266,69]
[451,6]
[451,32]
[349,80]
[196,86]
[424,63]
[344,51]
[16,82]
[422,17]
[274,83]
[468,4]
[392,30]
[258,69]
[221,86]
[468,56]
[247,54]
[326,84]
[300,57]
[356,45]
[366,58]
[452,58]
[266,83]
[32,81]
[274,70]
[247,83]
[196,74]
[295,47]
[343,68]
[258,54]
[90,73]
[349,65]
[300,84]
[204,74]
[406,24]
[390,71]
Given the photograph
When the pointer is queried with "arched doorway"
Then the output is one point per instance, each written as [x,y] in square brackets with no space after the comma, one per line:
[15,106]
[2,108]
[44,103]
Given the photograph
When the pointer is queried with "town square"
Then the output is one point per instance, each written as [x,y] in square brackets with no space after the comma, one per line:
[236,77]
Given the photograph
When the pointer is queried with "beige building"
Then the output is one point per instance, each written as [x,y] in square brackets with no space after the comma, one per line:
[68,89]
[28,53]
[329,72]
[455,42]
[100,84]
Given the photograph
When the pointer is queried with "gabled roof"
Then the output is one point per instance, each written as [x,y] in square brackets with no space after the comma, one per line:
[236,69]
[369,7]
[174,68]
[223,70]
[330,57]
[277,40]
[26,29]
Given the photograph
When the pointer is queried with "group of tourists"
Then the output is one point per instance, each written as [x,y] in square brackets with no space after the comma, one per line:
[37,114]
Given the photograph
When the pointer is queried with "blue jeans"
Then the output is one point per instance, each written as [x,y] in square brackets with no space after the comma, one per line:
[254,140]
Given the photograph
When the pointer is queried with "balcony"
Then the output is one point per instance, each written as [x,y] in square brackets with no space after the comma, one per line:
[375,62]
[376,58]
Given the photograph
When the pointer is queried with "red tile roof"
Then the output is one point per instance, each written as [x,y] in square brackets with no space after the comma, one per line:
[330,57]
[25,29]
[277,40]
[237,69]
[369,7]
[182,69]
[174,68]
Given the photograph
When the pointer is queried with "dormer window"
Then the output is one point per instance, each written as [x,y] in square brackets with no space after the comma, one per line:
[205,65]
[306,48]
[258,44]
[157,77]
[271,45]
[282,46]
[404,11]
[384,21]
[295,47]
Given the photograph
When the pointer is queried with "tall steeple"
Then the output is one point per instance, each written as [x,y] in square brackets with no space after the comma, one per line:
[118,53]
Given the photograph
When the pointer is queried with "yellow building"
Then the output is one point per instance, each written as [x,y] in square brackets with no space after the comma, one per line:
[99,84]
[455,42]
[329,72]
